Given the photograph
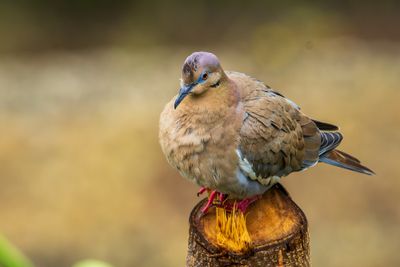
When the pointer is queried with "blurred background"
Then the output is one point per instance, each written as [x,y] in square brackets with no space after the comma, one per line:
[82,84]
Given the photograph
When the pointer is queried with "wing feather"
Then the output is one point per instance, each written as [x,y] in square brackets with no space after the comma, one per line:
[276,138]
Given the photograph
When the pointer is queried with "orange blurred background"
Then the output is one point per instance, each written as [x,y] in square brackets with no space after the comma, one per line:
[82,84]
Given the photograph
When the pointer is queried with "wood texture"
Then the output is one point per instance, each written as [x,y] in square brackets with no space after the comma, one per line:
[277,227]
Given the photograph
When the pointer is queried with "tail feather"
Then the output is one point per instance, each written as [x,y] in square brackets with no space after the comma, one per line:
[344,154]
[324,126]
[329,141]
[343,160]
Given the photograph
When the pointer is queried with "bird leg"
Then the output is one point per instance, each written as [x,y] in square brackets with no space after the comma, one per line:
[201,191]
[241,205]
[245,203]
[215,198]
[210,201]
[222,198]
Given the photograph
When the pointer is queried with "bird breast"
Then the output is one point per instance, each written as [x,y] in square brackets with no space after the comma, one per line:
[201,151]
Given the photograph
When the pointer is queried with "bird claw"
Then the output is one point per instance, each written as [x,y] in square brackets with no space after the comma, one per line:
[210,201]
[218,199]
[242,205]
[201,191]
[214,199]
[222,197]
[245,203]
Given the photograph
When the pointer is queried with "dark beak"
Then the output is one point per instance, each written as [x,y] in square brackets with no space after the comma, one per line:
[183,92]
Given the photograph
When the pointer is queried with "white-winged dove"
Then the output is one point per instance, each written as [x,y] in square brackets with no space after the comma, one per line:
[234,135]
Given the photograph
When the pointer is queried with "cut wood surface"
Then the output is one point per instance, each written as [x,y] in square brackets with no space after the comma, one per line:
[277,227]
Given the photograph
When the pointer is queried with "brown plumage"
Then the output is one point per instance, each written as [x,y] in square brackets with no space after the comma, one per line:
[229,132]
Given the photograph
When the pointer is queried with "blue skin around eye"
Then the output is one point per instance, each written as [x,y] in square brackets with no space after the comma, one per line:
[186,89]
[200,79]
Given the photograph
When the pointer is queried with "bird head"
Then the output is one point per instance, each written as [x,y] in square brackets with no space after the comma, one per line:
[201,71]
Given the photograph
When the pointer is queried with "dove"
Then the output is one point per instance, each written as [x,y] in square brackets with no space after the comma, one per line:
[235,137]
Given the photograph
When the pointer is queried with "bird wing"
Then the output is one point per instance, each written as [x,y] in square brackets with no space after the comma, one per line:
[276,138]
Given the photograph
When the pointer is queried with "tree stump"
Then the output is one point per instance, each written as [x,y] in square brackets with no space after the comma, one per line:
[277,227]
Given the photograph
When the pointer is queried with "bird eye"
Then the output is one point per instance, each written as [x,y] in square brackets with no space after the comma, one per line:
[205,76]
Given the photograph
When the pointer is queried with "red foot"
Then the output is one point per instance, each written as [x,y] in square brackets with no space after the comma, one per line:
[210,201]
[201,191]
[222,197]
[212,198]
[245,203]
[242,205]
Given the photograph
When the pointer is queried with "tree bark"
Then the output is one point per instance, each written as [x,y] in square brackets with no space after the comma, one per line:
[278,230]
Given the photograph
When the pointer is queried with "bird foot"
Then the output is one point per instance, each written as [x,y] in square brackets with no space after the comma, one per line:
[242,205]
[219,199]
[201,191]
[210,201]
[215,198]
[245,203]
